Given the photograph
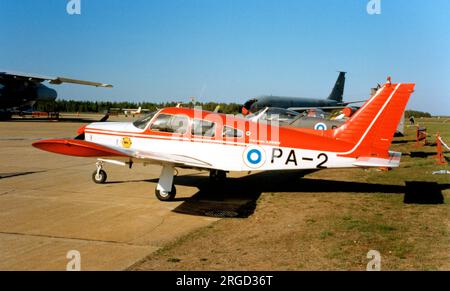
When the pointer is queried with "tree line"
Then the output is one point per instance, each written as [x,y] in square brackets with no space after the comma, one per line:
[417,114]
[73,106]
[102,107]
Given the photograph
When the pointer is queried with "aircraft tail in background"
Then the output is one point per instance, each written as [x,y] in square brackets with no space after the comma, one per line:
[338,91]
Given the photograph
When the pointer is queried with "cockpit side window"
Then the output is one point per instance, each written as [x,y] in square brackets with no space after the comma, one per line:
[203,128]
[142,122]
[170,123]
[229,131]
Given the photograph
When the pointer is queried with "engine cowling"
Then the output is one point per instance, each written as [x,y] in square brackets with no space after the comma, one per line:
[43,93]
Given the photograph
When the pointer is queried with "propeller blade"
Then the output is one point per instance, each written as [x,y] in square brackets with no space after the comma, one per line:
[105,118]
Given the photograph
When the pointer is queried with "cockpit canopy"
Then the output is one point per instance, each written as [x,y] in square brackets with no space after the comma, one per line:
[143,121]
[160,121]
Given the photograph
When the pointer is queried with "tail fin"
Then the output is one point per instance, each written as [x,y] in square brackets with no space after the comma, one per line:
[372,128]
[338,90]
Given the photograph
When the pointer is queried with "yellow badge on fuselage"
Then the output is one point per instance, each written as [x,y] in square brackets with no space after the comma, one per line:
[126,142]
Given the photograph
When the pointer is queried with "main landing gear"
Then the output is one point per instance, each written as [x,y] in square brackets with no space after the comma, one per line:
[217,176]
[165,190]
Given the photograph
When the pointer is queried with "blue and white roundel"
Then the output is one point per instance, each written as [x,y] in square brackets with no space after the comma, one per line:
[320,126]
[254,157]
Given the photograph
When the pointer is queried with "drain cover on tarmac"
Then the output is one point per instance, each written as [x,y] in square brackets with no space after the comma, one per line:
[221,213]
[219,209]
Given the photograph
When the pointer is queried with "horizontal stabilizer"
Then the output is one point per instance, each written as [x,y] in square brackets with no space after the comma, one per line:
[392,162]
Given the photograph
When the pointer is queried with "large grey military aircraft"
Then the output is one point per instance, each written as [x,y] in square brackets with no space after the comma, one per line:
[334,101]
[20,91]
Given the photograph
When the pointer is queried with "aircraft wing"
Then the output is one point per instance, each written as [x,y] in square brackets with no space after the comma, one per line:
[353,102]
[81,148]
[60,80]
[51,80]
[325,108]
[322,108]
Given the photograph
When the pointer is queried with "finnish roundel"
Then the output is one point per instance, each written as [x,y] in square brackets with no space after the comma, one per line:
[254,157]
[320,126]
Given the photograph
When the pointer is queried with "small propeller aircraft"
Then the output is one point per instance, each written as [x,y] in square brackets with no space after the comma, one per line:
[134,112]
[191,138]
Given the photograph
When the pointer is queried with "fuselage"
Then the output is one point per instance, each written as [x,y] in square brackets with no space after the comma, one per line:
[290,102]
[334,99]
[225,142]
[21,93]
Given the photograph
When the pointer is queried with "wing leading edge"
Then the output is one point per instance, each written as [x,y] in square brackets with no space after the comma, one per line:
[52,80]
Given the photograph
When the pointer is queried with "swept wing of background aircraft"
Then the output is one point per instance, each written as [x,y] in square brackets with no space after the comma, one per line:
[22,90]
[189,138]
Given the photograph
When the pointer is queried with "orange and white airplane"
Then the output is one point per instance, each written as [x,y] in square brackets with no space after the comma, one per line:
[191,138]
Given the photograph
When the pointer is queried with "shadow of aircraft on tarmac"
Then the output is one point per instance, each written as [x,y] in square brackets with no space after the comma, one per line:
[237,197]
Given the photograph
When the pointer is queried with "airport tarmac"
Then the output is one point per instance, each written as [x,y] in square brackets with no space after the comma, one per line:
[50,206]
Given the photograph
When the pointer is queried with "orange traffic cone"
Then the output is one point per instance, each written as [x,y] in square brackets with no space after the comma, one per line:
[440,152]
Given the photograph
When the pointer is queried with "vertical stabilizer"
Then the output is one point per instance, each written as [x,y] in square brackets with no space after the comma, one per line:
[338,91]
[372,128]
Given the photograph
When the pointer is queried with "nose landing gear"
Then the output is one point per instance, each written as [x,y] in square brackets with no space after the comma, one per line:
[99,176]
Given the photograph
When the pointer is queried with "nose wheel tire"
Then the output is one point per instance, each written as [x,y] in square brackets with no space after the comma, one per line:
[166,196]
[99,177]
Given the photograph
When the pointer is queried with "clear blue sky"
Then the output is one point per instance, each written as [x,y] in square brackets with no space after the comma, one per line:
[231,50]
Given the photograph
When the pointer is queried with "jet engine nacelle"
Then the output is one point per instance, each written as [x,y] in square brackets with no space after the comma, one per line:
[44,93]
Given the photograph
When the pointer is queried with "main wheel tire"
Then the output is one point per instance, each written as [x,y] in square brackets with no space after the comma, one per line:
[162,196]
[99,178]
[218,176]
[5,116]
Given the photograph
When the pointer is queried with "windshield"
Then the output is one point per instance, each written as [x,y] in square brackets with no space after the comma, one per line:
[142,122]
